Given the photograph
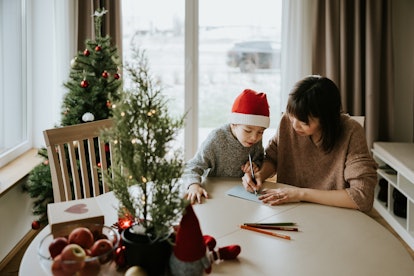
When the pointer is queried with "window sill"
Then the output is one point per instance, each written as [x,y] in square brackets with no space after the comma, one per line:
[16,170]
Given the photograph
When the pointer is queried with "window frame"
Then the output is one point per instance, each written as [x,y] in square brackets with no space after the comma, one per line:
[18,149]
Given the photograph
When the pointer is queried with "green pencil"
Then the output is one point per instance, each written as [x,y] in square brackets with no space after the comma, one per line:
[272,224]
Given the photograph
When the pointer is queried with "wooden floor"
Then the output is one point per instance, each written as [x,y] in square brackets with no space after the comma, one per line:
[13,267]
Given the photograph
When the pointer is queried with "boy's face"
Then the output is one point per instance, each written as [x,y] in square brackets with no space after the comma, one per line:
[247,135]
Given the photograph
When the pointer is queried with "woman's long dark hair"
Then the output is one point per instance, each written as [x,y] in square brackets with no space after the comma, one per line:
[318,97]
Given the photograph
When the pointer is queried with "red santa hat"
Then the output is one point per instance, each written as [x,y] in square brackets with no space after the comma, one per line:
[189,241]
[250,108]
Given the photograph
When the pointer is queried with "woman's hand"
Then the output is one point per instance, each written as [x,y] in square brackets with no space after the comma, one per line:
[195,192]
[280,195]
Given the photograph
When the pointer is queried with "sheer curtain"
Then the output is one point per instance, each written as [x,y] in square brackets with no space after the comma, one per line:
[296,44]
[352,45]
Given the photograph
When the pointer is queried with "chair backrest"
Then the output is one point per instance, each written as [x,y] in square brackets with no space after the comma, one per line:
[77,160]
[359,119]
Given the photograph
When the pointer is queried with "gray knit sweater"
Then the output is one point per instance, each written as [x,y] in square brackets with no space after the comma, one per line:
[221,154]
[348,166]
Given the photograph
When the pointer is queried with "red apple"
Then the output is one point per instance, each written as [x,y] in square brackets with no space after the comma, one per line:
[102,247]
[87,252]
[73,258]
[57,267]
[91,268]
[97,234]
[81,236]
[57,245]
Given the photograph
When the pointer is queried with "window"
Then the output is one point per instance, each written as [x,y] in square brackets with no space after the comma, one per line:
[13,96]
[206,52]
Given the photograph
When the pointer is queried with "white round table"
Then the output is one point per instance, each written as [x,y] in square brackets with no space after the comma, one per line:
[330,240]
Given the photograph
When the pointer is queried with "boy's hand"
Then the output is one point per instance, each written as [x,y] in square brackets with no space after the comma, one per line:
[246,167]
[250,185]
[195,192]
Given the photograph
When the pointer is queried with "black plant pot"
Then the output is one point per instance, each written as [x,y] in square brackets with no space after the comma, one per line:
[153,256]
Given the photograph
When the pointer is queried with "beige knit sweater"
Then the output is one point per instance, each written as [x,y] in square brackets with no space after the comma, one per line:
[348,166]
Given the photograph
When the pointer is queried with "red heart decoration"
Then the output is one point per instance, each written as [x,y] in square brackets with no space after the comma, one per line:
[77,209]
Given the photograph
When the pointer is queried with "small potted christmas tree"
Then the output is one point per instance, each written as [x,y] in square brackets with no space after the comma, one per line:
[145,167]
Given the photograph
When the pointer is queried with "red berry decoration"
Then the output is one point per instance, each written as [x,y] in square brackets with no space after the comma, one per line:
[84,83]
[117,76]
[120,256]
[35,225]
[104,74]
[98,48]
[86,53]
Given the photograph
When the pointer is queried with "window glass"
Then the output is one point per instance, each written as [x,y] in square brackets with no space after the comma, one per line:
[157,27]
[239,48]
[13,107]
[238,45]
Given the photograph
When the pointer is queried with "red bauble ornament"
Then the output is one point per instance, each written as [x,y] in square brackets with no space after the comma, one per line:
[98,48]
[117,76]
[108,104]
[104,74]
[35,225]
[86,52]
[84,83]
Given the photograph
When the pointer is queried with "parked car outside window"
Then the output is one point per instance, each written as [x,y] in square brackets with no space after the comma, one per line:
[252,55]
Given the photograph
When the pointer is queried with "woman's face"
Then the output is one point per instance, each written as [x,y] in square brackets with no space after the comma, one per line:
[313,128]
[247,135]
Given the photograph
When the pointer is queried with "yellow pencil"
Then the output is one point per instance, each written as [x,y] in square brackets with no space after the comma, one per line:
[286,237]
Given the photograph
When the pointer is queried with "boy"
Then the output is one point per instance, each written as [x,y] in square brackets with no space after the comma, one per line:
[226,150]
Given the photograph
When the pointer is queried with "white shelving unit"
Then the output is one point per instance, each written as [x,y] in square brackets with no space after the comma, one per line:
[396,165]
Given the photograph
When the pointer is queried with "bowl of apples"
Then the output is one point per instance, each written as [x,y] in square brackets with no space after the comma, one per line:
[87,249]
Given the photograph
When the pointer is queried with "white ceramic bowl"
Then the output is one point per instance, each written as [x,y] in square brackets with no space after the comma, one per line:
[97,265]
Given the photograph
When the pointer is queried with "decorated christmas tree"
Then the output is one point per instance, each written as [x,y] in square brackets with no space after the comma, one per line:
[94,82]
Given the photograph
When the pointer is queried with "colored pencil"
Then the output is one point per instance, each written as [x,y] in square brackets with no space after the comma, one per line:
[273,227]
[286,237]
[271,224]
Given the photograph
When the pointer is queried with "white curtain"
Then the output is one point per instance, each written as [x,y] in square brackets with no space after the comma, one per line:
[296,44]
[53,49]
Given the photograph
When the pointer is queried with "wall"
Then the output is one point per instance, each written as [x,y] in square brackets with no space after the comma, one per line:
[403,26]
[16,218]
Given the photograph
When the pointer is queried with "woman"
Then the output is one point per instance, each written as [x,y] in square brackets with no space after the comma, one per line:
[319,151]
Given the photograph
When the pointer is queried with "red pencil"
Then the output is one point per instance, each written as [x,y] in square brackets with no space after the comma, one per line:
[286,237]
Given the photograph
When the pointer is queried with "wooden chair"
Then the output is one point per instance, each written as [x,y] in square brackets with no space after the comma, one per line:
[77,158]
[359,119]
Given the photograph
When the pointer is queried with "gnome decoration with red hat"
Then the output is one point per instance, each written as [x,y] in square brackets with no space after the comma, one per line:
[194,252]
